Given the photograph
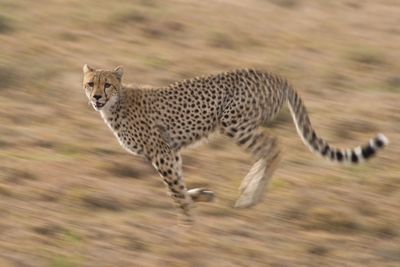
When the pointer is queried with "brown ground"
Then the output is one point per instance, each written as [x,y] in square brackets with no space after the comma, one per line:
[70,196]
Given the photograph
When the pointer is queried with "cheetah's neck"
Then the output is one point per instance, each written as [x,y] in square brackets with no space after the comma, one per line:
[110,110]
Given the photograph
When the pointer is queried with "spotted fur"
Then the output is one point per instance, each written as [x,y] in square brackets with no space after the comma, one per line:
[157,122]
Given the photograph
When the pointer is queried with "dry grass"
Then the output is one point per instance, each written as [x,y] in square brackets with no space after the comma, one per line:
[70,196]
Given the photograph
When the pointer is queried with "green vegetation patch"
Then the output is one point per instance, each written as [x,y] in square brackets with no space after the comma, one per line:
[16,176]
[156,62]
[102,202]
[8,76]
[123,170]
[331,220]
[6,25]
[367,56]
[221,40]
[64,261]
[286,3]
[131,16]
[393,84]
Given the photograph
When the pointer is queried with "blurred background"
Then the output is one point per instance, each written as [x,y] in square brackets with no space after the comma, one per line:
[70,196]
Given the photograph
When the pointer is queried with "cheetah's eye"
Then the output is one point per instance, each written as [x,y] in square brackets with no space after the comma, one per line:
[90,84]
[106,85]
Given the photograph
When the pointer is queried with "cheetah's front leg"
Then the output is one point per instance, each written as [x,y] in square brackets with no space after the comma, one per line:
[168,163]
[169,166]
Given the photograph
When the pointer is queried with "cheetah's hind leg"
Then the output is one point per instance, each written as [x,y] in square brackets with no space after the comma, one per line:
[254,184]
[201,195]
[266,151]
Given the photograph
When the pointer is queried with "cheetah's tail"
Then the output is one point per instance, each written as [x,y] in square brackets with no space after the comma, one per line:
[318,145]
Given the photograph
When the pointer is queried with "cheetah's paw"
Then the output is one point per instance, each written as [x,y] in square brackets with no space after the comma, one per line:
[201,195]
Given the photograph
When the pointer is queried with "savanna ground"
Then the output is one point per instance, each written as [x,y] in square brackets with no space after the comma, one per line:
[70,196]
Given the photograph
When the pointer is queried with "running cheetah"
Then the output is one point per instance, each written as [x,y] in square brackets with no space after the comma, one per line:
[157,122]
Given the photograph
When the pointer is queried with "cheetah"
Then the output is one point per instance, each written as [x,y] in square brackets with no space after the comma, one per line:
[157,123]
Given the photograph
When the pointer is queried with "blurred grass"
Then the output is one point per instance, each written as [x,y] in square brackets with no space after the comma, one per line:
[71,196]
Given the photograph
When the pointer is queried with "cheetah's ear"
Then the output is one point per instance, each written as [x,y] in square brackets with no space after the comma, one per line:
[87,69]
[119,71]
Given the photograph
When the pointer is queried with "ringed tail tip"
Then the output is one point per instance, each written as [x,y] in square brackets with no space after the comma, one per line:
[381,140]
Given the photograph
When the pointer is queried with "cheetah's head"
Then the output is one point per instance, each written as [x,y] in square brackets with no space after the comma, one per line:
[101,85]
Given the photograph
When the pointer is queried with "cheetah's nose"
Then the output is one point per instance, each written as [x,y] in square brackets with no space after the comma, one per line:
[97,97]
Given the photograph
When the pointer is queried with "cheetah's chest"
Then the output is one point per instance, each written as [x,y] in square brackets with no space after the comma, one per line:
[127,135]
[129,141]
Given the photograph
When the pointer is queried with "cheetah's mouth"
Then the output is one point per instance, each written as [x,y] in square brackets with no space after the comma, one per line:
[98,105]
